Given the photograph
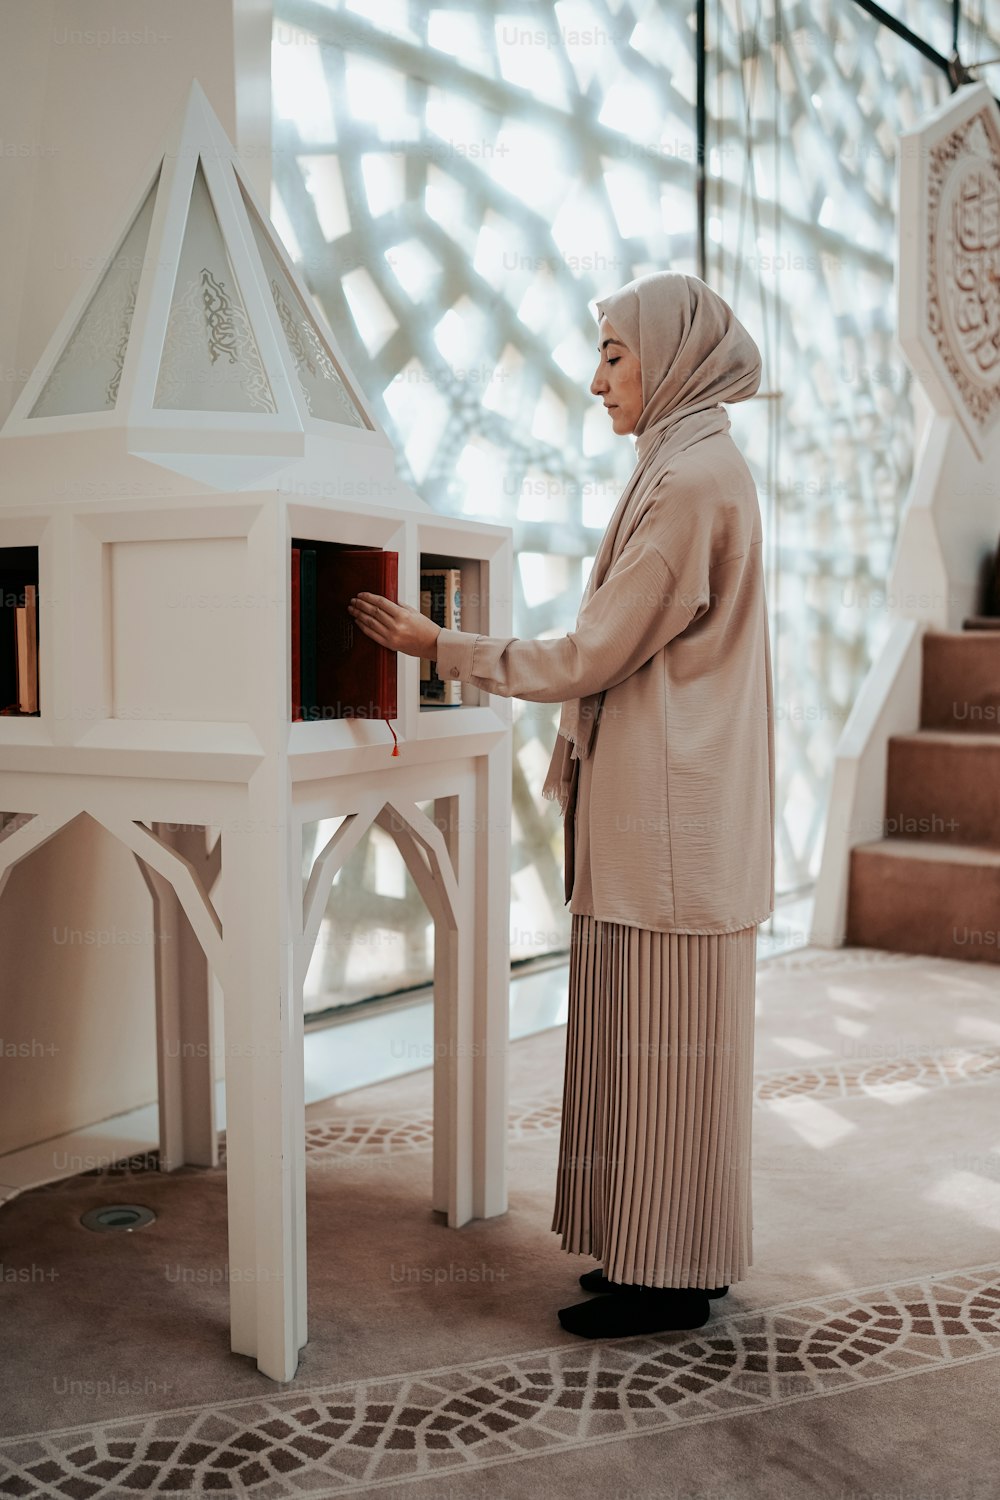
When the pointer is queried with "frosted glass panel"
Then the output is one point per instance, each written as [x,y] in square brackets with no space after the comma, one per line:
[87,374]
[525,203]
[211,361]
[322,385]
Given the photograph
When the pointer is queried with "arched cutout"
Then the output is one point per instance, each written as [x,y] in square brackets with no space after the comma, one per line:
[419,842]
[185,879]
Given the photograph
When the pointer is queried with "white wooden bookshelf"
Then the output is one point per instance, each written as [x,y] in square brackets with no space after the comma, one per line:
[164,539]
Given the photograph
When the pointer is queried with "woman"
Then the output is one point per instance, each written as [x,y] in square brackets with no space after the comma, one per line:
[664,769]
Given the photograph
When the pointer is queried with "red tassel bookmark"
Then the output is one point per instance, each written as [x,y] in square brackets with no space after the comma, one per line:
[395,743]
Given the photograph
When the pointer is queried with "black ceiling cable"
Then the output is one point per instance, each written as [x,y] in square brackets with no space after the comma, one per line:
[701,136]
[955,70]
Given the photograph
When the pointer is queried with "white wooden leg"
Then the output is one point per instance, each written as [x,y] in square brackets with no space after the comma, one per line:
[467,1013]
[238,1027]
[201,1136]
[297,1086]
[452,1161]
[443,1169]
[263,1096]
[491,980]
[454,1016]
[167,920]
[185,1058]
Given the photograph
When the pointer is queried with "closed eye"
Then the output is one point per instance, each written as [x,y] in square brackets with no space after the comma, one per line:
[615,360]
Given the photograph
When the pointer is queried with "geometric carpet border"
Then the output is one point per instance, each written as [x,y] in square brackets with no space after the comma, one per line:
[402,1133]
[338,1439]
[944,1067]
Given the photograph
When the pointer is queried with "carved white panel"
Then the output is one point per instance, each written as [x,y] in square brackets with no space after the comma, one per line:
[178,627]
[965,312]
[950,265]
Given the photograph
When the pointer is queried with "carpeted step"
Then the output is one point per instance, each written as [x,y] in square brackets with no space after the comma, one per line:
[944,784]
[961,681]
[917,896]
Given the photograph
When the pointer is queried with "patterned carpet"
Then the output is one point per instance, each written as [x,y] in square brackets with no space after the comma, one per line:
[897,1353]
[355,1437]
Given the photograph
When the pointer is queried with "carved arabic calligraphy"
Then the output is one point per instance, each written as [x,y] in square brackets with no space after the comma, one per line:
[975,256]
[963,292]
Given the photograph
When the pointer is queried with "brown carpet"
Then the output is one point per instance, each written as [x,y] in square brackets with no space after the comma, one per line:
[859,1358]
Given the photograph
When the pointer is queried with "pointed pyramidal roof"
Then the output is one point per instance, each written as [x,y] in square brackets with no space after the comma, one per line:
[197,337]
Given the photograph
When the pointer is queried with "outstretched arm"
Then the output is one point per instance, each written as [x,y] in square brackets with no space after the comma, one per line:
[637,609]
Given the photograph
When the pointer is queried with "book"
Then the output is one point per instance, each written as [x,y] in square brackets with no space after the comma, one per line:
[440,601]
[342,672]
[307,632]
[296,635]
[425,665]
[18,569]
[27,652]
[355,675]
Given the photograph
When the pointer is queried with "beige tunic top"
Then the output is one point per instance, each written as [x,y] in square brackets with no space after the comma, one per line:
[674,816]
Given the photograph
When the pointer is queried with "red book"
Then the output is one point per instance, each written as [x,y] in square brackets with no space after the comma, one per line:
[355,676]
[296,640]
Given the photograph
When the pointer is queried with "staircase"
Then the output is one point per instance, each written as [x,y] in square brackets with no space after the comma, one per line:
[932,885]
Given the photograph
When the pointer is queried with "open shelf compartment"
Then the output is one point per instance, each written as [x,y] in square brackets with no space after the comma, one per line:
[322,694]
[18,571]
[471,574]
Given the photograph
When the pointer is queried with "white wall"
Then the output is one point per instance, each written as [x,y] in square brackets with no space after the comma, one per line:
[87,90]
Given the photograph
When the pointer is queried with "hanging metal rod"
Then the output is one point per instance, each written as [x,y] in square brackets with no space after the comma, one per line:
[701,133]
[957,72]
[924,48]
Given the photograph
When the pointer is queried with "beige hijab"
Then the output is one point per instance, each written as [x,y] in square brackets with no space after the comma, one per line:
[694,353]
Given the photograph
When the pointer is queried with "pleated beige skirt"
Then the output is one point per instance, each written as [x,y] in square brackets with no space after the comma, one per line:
[654,1152]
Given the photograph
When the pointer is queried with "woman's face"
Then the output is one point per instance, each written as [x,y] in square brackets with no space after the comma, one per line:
[618,379]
